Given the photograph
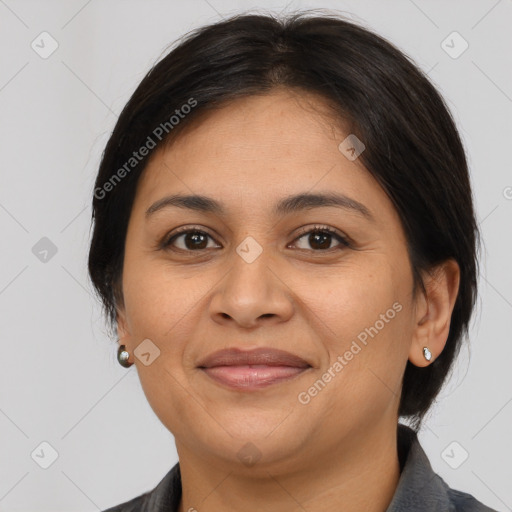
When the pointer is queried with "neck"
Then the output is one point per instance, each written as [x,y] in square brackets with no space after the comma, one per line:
[362,473]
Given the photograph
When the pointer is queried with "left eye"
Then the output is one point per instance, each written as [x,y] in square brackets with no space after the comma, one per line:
[197,240]
[322,237]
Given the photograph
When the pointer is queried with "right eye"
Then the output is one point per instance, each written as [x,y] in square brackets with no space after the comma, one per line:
[193,240]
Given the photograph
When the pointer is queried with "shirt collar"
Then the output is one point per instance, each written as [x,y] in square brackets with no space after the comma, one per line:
[419,488]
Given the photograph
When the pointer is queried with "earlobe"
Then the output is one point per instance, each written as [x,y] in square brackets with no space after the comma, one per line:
[123,351]
[434,312]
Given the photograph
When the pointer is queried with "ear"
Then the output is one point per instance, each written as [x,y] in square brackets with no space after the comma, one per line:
[123,330]
[434,312]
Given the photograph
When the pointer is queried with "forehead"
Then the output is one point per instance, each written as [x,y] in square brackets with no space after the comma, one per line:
[256,150]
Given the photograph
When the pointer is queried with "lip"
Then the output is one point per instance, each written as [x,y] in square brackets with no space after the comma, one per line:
[259,356]
[252,369]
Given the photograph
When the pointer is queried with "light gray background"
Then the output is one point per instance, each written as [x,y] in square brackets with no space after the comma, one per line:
[60,381]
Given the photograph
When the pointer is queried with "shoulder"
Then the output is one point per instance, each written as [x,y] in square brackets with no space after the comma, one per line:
[134,505]
[420,489]
[464,502]
[165,497]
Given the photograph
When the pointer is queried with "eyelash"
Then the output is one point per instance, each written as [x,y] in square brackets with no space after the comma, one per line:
[165,244]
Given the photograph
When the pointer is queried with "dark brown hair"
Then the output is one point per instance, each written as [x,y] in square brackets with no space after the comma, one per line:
[413,148]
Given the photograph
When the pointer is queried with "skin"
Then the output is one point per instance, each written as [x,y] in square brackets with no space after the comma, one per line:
[296,296]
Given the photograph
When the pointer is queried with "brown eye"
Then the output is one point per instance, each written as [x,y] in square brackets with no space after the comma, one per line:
[191,240]
[320,238]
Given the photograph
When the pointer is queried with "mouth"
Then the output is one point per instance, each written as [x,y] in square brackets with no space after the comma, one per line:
[252,370]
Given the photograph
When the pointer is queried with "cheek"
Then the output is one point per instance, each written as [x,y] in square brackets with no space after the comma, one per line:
[160,307]
[157,300]
[363,317]
[346,302]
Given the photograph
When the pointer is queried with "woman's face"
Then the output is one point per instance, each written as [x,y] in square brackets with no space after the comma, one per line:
[258,278]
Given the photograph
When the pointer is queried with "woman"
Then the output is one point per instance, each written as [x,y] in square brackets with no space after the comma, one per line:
[286,243]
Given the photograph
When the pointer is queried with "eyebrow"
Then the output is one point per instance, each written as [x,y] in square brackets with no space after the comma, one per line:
[285,206]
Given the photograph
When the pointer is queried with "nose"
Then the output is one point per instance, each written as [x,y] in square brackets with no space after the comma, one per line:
[252,293]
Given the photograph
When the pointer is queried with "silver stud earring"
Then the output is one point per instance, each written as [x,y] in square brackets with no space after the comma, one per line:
[427,353]
[122,356]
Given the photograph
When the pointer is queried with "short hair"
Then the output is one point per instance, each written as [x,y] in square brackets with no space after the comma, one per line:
[412,147]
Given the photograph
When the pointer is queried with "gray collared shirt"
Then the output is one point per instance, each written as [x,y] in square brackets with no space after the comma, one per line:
[419,488]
